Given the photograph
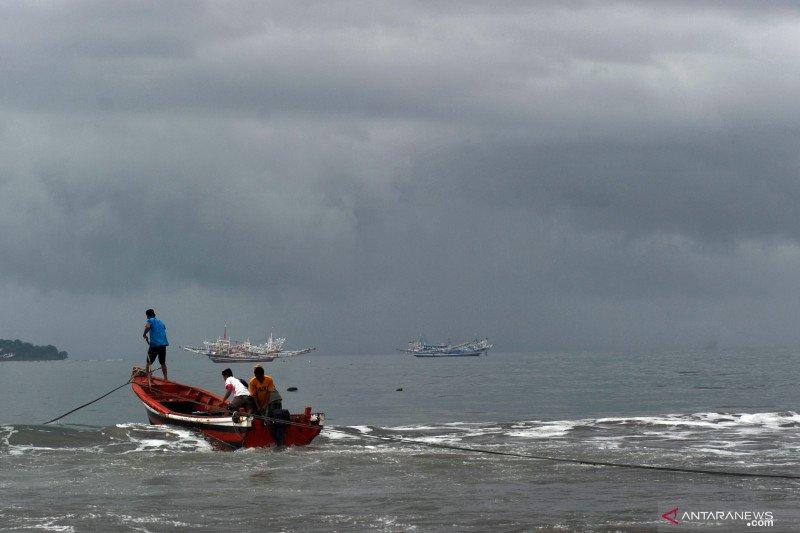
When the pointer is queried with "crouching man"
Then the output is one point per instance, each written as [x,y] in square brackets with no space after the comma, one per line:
[241,396]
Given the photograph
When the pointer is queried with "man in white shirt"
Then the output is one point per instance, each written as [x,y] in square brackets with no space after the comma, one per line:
[241,394]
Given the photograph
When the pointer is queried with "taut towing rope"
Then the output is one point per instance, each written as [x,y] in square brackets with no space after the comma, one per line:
[584,462]
[95,400]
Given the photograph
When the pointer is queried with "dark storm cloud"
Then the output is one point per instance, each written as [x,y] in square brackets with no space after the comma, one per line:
[579,173]
[713,188]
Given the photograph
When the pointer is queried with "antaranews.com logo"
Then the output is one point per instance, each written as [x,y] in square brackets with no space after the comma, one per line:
[750,518]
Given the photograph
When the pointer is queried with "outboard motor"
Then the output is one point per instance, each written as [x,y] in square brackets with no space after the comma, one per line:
[280,420]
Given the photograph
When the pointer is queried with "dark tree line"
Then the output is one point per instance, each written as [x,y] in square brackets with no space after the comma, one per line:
[25,351]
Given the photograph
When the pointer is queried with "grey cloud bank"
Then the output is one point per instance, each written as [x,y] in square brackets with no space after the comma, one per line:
[556,175]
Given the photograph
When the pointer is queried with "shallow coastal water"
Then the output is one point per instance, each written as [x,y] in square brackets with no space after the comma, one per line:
[104,468]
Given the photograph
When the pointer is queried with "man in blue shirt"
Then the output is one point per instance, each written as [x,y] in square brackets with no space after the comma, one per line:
[157,343]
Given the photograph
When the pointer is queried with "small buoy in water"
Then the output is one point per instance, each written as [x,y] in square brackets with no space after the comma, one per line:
[399,390]
[291,389]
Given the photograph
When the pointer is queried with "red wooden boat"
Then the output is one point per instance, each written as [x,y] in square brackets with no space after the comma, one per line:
[168,402]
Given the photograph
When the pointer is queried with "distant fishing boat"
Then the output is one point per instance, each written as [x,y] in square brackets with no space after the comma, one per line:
[225,350]
[419,348]
[8,355]
[176,404]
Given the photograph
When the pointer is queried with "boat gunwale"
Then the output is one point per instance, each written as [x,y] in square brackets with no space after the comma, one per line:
[200,420]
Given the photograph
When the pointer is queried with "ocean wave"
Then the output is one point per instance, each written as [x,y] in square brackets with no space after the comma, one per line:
[118,439]
[410,428]
[334,434]
[668,426]
[741,422]
[538,430]
[158,520]
[705,438]
[149,438]
[718,451]
[50,524]
[5,434]
[62,523]
[699,433]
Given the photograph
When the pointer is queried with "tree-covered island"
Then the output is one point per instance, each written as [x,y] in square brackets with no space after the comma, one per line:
[17,350]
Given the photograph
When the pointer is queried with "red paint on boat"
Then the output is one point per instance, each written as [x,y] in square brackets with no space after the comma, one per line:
[176,404]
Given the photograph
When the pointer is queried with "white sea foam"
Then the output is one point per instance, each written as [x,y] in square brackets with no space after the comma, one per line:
[50,523]
[143,445]
[391,523]
[144,437]
[158,520]
[608,443]
[337,435]
[22,449]
[135,425]
[171,439]
[465,430]
[435,439]
[486,430]
[190,437]
[668,420]
[349,449]
[412,428]
[553,429]
[7,431]
[718,451]
[669,426]
[711,420]
[771,420]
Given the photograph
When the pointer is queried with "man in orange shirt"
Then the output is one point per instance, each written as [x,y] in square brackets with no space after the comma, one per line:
[262,389]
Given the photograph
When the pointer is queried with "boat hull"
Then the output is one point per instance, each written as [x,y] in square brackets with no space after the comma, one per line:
[241,359]
[176,404]
[463,354]
[420,348]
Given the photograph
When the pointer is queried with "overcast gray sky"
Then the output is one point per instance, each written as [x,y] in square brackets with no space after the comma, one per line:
[561,175]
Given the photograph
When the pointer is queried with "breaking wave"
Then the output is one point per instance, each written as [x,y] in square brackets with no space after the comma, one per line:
[707,438]
[666,425]
[117,439]
[710,434]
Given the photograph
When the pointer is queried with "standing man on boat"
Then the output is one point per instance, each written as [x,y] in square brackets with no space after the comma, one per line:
[156,344]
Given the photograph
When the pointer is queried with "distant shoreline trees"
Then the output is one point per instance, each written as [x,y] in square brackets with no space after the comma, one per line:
[25,351]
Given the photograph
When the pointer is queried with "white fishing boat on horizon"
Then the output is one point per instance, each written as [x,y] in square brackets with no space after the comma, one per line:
[420,348]
[226,350]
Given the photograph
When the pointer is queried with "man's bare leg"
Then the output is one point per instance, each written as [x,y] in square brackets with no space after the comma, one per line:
[164,370]
[147,369]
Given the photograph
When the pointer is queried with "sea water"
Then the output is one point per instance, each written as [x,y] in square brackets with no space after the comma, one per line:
[104,468]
